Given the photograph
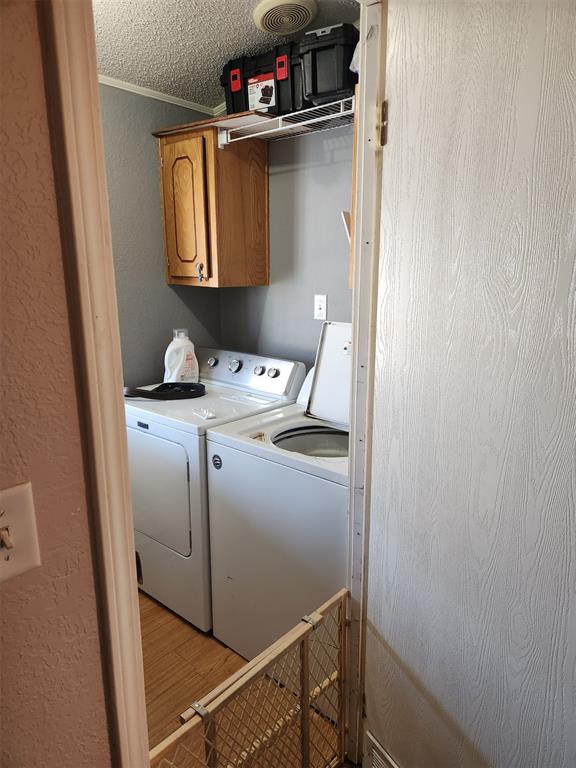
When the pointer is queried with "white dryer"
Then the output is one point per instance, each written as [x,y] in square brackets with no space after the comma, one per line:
[278,498]
[167,459]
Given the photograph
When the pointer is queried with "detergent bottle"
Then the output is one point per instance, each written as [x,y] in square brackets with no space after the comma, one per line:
[180,363]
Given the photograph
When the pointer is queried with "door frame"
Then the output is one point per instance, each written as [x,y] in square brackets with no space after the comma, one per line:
[371,137]
[70,73]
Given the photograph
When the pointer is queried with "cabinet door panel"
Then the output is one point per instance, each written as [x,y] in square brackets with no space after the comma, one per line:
[184,191]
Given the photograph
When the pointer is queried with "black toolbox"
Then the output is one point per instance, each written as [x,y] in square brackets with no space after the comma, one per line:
[326,55]
[269,82]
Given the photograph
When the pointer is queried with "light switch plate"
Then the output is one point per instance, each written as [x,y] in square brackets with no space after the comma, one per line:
[18,516]
[320,306]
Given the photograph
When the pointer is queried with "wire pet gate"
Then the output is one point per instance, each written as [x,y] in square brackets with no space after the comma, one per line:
[285,709]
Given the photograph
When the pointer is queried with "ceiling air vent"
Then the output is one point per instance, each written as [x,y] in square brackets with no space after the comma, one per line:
[283,17]
[375,756]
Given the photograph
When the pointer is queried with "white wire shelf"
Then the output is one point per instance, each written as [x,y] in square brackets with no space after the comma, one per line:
[272,128]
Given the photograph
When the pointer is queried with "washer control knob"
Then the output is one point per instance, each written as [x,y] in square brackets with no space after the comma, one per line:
[212,362]
[273,372]
[234,365]
[259,370]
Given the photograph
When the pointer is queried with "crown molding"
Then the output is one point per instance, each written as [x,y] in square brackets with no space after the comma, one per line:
[216,111]
[219,109]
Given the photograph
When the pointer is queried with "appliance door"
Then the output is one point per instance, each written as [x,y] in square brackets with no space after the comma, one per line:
[332,380]
[279,542]
[159,478]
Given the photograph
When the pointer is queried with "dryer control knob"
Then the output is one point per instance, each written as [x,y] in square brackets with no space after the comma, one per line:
[212,361]
[273,372]
[259,370]
[234,365]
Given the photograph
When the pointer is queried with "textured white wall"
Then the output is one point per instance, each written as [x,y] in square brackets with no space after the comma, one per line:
[52,702]
[472,573]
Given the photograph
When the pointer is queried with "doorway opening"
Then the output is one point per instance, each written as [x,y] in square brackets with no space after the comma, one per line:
[68,30]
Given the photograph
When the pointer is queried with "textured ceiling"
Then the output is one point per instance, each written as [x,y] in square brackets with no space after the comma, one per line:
[179,47]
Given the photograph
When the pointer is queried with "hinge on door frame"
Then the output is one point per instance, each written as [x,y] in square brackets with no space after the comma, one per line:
[382,126]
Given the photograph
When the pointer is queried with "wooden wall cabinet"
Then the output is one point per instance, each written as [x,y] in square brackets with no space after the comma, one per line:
[215,204]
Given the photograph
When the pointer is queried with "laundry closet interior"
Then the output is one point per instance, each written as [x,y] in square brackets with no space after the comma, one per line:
[229,143]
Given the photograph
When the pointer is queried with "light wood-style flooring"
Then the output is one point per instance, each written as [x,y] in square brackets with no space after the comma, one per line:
[181,665]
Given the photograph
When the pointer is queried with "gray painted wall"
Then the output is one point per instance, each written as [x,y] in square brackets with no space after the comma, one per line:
[310,184]
[149,308]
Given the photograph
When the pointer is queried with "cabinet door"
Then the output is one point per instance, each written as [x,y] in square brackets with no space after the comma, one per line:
[185,214]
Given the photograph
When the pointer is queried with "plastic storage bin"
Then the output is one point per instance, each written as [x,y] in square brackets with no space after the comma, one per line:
[269,82]
[326,55]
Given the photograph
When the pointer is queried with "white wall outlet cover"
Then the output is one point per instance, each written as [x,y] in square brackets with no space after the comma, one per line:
[320,306]
[19,550]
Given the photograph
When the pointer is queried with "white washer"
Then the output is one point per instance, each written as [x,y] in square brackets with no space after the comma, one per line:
[167,459]
[278,497]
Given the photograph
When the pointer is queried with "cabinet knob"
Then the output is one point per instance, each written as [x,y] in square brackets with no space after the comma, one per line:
[200,270]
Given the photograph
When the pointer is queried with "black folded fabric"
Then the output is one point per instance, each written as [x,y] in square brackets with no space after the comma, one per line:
[168,391]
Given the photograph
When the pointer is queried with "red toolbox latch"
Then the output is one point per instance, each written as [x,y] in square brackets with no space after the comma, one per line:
[282,67]
[235,80]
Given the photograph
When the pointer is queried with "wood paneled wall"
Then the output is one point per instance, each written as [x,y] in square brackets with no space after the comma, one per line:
[471,652]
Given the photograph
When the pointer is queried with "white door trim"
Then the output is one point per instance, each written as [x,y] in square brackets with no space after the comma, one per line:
[76,132]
